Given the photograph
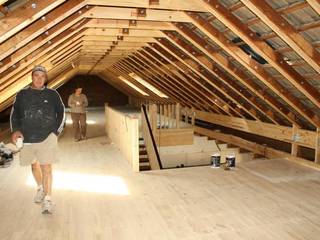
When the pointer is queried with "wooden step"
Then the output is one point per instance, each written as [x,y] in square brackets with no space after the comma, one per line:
[145,168]
[143,159]
[143,152]
[142,146]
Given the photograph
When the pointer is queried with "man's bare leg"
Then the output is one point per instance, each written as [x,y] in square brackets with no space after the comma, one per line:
[46,170]
[47,186]
[36,172]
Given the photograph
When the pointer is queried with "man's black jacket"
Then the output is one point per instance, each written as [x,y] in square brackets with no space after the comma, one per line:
[37,113]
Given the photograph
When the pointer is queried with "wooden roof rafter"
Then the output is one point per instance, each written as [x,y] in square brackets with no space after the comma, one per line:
[238,74]
[275,59]
[232,98]
[285,31]
[156,74]
[129,68]
[212,96]
[176,79]
[255,68]
[230,88]
[22,17]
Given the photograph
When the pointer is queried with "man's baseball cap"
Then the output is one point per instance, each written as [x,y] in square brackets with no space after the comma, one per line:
[40,69]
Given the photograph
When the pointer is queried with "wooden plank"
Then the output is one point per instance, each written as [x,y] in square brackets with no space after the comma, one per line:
[286,31]
[254,147]
[131,14]
[304,137]
[182,5]
[123,130]
[254,67]
[317,147]
[25,15]
[174,137]
[294,146]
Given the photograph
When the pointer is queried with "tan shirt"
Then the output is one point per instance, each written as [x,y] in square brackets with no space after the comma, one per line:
[78,104]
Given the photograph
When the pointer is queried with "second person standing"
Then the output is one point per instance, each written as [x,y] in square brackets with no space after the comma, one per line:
[78,103]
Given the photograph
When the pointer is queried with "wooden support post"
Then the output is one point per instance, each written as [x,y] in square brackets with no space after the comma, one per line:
[186,118]
[153,116]
[161,113]
[317,147]
[193,117]
[178,115]
[294,145]
[169,115]
[165,115]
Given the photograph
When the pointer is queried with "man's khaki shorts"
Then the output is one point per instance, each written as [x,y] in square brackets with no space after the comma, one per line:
[44,152]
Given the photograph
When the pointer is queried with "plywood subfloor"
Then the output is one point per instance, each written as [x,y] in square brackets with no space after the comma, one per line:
[98,197]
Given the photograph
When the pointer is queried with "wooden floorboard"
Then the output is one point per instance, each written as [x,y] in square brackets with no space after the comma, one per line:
[259,200]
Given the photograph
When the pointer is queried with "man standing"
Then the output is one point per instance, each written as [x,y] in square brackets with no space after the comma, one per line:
[78,103]
[37,117]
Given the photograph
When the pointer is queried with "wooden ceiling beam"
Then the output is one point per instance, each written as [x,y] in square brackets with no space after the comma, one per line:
[237,73]
[285,31]
[221,81]
[125,69]
[124,72]
[126,24]
[175,84]
[41,57]
[180,5]
[25,15]
[172,75]
[315,4]
[120,71]
[210,95]
[28,60]
[112,79]
[66,25]
[223,100]
[131,14]
[262,48]
[156,81]
[255,68]
[39,27]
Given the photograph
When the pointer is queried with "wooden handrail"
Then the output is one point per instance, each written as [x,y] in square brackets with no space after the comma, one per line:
[150,142]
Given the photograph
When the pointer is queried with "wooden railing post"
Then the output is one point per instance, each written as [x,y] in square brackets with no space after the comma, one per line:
[153,116]
[294,145]
[317,147]
[178,115]
[193,117]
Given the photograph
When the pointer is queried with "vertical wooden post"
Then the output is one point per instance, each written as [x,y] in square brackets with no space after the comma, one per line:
[169,115]
[294,145]
[161,115]
[317,147]
[153,116]
[193,118]
[165,115]
[186,118]
[178,115]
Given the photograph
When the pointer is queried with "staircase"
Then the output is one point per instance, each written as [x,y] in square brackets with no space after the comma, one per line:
[144,164]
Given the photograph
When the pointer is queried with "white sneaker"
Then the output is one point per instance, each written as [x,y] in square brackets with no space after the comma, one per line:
[47,206]
[39,196]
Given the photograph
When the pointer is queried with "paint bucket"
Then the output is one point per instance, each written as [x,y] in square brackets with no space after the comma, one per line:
[231,161]
[215,160]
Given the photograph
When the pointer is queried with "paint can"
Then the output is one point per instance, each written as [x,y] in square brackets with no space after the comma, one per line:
[215,160]
[230,161]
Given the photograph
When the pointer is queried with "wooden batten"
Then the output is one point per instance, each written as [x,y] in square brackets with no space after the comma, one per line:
[302,137]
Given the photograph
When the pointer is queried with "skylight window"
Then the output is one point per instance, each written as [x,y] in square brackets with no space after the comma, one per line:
[133,86]
[148,85]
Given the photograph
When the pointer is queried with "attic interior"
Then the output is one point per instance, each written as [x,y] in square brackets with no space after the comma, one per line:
[170,83]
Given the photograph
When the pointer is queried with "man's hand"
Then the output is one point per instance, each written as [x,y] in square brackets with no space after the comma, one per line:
[15,136]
